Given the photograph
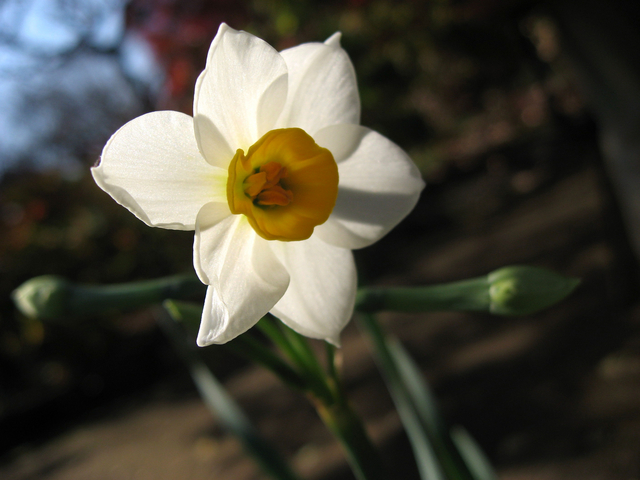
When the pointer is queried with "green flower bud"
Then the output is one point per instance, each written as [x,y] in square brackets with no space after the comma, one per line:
[44,297]
[54,298]
[521,290]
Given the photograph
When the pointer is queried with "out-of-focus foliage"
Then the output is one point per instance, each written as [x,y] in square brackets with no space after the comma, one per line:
[68,228]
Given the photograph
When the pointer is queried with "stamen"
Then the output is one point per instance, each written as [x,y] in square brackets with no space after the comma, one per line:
[254,184]
[264,188]
[274,196]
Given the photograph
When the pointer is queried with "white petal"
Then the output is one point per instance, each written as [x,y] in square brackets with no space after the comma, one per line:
[239,95]
[322,87]
[152,167]
[211,215]
[245,277]
[379,186]
[321,295]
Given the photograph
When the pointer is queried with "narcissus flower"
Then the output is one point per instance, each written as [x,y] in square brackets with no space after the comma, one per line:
[276,177]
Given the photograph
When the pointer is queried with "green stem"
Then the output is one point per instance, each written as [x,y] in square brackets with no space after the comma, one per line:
[514,290]
[362,455]
[297,349]
[472,295]
[267,326]
[310,364]
[251,349]
[331,361]
[326,393]
[87,300]
[244,346]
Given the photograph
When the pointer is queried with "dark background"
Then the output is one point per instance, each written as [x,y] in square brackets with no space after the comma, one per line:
[522,117]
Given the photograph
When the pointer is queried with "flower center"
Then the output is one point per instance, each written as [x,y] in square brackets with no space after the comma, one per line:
[286,185]
[264,187]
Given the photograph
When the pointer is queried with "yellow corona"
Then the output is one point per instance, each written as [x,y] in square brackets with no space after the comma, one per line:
[285,185]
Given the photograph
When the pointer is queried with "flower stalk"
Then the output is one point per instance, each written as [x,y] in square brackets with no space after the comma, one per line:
[347,427]
[327,395]
[304,373]
[514,290]
[468,295]
[244,346]
[51,297]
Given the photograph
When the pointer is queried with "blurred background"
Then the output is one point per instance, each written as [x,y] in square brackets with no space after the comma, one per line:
[523,117]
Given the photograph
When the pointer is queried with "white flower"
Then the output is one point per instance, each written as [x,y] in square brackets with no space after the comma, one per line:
[255,174]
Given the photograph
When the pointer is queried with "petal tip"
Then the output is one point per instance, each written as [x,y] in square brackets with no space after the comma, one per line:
[203,342]
[223,28]
[95,170]
[214,320]
[334,40]
[335,341]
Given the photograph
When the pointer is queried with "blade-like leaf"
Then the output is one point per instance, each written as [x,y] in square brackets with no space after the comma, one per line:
[426,458]
[222,405]
[472,454]
[244,346]
[418,390]
[439,453]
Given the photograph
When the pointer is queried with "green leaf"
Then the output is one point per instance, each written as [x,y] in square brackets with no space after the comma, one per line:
[222,405]
[458,447]
[244,346]
[438,454]
[426,458]
[297,349]
[417,389]
[472,454]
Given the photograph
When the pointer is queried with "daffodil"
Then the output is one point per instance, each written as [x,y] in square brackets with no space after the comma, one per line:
[276,177]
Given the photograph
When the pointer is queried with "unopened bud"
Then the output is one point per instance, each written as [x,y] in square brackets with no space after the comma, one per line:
[44,297]
[521,290]
[54,298]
